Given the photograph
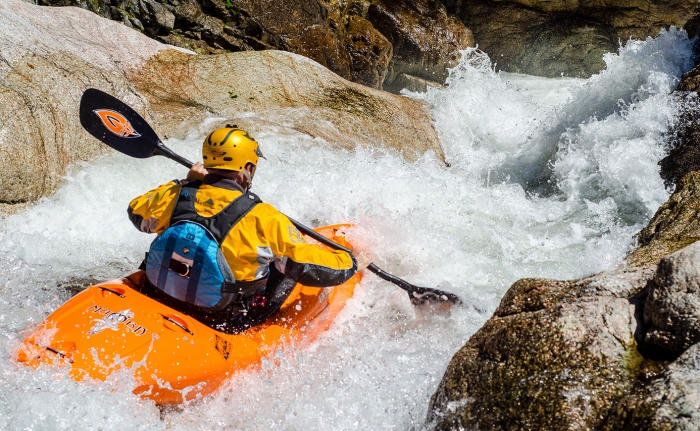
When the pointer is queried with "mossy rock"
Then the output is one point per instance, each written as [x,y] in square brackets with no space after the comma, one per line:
[556,355]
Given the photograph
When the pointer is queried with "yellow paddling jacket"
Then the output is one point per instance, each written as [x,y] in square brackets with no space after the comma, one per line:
[263,236]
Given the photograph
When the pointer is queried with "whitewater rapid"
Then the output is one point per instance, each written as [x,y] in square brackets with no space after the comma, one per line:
[547,178]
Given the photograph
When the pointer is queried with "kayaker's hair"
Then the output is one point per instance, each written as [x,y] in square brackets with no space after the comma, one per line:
[227,173]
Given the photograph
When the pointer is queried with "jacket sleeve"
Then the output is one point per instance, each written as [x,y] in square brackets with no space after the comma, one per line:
[309,264]
[151,212]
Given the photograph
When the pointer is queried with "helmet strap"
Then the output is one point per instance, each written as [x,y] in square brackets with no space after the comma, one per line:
[249,176]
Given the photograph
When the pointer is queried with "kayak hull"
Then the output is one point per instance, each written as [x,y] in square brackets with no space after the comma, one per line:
[173,357]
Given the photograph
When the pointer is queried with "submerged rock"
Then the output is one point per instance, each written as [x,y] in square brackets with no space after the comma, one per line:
[412,83]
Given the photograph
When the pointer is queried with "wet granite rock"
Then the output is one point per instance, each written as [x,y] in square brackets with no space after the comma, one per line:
[684,154]
[555,38]
[556,355]
[284,91]
[370,52]
[360,40]
[675,225]
[49,56]
[669,402]
[672,308]
[426,39]
[304,27]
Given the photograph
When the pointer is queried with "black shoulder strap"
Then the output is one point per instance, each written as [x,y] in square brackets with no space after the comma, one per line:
[220,224]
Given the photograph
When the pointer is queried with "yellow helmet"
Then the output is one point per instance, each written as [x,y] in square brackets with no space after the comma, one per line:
[230,148]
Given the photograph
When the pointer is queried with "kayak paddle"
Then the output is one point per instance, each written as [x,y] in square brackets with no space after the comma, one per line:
[117,125]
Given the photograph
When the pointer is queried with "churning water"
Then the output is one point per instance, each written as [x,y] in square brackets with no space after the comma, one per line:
[547,178]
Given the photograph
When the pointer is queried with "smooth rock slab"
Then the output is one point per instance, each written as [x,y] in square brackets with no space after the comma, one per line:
[281,89]
[48,57]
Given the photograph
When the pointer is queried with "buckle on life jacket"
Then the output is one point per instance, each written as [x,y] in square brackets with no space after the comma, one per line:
[259,302]
[181,268]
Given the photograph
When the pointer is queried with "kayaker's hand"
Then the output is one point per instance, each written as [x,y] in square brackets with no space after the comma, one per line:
[197,172]
[363,258]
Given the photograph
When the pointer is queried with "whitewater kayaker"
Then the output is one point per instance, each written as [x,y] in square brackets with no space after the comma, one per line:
[221,255]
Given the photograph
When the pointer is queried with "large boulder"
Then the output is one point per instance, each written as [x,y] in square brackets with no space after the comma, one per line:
[51,55]
[615,351]
[48,56]
[569,38]
[283,90]
[556,355]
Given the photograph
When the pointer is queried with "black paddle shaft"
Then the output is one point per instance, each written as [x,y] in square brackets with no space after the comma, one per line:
[117,125]
[418,295]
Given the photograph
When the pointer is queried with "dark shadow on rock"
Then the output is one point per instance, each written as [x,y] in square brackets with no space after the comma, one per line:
[684,145]
[650,353]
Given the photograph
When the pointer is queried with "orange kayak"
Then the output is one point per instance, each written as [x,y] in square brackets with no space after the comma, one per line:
[174,358]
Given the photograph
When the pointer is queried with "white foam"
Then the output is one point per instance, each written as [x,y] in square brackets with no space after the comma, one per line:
[464,228]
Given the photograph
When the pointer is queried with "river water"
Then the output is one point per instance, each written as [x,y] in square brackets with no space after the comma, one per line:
[547,178]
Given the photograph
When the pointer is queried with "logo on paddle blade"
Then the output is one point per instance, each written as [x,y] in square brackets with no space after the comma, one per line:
[116,123]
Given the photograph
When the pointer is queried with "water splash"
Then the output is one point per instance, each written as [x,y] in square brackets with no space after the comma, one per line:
[472,228]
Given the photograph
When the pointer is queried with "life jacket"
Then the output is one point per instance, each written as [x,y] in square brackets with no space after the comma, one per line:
[186,263]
